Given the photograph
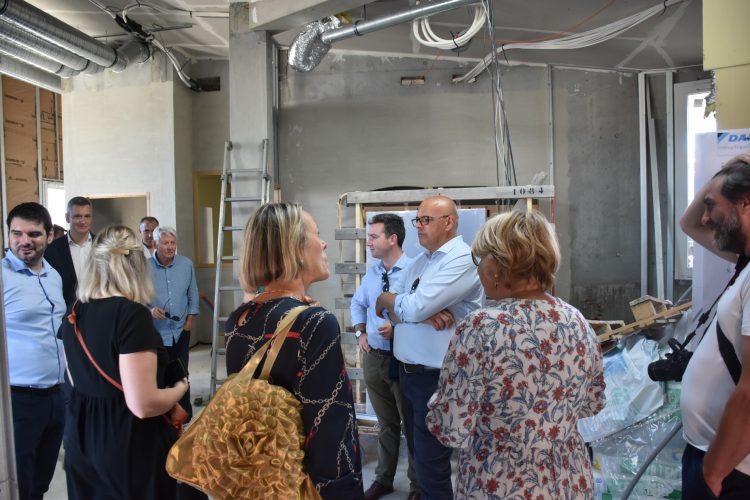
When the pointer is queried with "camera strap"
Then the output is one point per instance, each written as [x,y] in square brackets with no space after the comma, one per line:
[742,261]
[726,349]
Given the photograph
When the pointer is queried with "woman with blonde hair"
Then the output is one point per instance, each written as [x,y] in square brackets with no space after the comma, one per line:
[116,438]
[282,252]
[519,374]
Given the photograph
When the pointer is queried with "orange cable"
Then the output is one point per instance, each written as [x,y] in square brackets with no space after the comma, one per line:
[566,31]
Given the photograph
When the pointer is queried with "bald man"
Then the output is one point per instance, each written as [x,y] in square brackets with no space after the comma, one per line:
[441,286]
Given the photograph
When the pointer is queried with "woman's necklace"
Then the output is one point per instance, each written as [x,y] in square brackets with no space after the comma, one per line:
[276,294]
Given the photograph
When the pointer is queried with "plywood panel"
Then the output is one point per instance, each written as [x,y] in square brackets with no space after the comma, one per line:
[49,143]
[19,128]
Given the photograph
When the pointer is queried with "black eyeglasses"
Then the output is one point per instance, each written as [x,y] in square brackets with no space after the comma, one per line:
[386,283]
[476,259]
[425,220]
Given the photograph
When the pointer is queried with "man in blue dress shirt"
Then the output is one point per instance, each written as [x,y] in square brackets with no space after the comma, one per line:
[442,286]
[34,308]
[385,237]
[176,302]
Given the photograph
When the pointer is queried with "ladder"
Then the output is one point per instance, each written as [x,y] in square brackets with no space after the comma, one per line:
[220,289]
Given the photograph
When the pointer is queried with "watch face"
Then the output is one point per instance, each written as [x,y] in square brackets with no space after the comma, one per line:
[358,333]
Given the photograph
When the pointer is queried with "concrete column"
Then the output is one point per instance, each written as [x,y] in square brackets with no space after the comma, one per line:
[250,108]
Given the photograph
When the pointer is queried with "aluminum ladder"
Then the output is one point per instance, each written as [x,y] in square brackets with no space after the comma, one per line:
[220,289]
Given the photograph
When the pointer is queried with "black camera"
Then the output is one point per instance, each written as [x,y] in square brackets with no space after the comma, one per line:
[674,364]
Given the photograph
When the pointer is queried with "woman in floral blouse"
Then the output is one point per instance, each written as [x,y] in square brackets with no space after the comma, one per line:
[518,375]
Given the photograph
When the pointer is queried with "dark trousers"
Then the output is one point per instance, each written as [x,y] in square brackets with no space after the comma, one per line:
[736,486]
[38,424]
[181,350]
[432,460]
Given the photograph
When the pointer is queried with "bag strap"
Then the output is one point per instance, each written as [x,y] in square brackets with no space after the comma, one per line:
[728,354]
[273,345]
[73,319]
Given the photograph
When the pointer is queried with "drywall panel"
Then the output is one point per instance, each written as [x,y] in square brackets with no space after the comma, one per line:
[724,27]
[123,142]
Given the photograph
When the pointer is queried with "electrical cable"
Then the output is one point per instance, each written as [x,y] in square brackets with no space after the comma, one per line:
[573,41]
[424,34]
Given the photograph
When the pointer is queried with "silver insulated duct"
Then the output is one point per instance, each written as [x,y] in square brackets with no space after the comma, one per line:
[315,39]
[30,74]
[51,29]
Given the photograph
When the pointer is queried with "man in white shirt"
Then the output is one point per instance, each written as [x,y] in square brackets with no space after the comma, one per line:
[715,404]
[441,287]
[147,226]
[69,255]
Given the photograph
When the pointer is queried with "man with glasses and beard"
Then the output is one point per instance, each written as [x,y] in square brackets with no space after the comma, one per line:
[441,287]
[715,396]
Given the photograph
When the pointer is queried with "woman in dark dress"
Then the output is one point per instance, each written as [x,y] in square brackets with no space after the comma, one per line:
[116,441]
[283,252]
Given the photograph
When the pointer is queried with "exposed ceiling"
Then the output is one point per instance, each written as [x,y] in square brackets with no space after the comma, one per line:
[199,29]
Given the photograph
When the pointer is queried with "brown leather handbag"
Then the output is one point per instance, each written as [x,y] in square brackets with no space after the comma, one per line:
[248,442]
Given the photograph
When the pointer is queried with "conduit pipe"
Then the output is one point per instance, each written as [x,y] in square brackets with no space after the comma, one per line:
[30,74]
[12,34]
[51,29]
[315,39]
[41,62]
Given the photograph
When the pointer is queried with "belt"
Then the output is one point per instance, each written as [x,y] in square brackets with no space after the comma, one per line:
[410,368]
[380,352]
[38,391]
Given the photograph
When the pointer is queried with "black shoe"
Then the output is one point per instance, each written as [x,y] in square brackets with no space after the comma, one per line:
[377,490]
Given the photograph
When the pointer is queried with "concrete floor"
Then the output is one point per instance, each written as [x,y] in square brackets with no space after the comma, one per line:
[200,362]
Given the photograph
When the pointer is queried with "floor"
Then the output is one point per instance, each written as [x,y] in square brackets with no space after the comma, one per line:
[200,362]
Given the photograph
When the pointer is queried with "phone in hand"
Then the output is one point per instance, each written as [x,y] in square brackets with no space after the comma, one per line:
[175,372]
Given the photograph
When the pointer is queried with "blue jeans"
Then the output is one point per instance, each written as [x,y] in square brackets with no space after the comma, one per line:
[736,486]
[432,460]
[38,424]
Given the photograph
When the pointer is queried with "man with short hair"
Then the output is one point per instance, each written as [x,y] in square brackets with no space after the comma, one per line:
[147,226]
[176,301]
[385,237]
[69,255]
[34,308]
[442,286]
[715,399]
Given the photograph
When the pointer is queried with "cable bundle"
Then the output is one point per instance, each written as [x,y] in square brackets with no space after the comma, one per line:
[423,32]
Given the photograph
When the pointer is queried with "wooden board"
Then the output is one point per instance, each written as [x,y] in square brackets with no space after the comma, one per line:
[647,322]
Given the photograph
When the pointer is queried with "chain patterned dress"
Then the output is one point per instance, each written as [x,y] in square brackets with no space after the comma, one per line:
[311,366]
[514,382]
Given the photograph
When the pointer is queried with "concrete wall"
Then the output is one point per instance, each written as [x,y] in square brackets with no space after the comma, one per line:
[349,125]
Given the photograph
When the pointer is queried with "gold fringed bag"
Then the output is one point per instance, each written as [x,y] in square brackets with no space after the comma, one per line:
[248,442]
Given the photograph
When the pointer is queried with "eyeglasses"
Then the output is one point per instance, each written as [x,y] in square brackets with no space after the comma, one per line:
[386,283]
[425,220]
[476,259]
[168,315]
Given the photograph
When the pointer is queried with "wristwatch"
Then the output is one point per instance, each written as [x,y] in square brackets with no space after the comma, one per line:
[359,333]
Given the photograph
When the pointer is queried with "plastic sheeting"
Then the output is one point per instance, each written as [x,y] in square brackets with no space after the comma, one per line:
[618,457]
[631,395]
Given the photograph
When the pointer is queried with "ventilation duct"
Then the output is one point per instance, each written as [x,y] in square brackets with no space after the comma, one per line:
[315,39]
[35,59]
[51,29]
[30,74]
[14,35]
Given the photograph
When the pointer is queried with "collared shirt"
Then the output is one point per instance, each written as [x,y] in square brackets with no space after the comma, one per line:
[363,302]
[34,308]
[148,252]
[79,254]
[447,279]
[176,293]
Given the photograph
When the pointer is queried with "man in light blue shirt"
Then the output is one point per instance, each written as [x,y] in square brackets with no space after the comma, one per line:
[34,308]
[442,287]
[385,237]
[176,301]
